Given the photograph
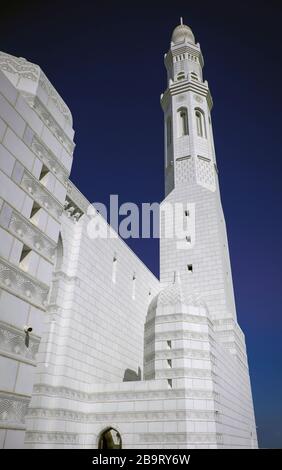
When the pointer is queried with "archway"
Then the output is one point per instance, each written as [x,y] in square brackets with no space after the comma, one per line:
[110,439]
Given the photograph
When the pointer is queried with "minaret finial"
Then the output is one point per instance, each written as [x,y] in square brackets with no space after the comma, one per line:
[181,20]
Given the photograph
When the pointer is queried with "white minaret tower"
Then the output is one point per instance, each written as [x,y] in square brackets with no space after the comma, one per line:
[196,334]
[202,258]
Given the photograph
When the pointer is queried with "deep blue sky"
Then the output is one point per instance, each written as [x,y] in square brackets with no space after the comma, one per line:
[106,60]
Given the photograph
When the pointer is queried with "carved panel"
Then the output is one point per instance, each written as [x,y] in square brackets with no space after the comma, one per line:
[52,437]
[50,122]
[12,340]
[22,284]
[19,66]
[205,173]
[41,195]
[32,236]
[184,170]
[13,410]
[38,147]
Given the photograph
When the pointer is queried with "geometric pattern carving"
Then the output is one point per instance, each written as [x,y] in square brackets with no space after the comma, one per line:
[52,437]
[13,410]
[12,340]
[171,295]
[25,69]
[205,173]
[50,122]
[116,395]
[41,195]
[195,438]
[54,95]
[83,417]
[19,66]
[32,236]
[184,170]
[23,284]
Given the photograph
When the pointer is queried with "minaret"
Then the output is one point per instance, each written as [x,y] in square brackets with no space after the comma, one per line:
[191,178]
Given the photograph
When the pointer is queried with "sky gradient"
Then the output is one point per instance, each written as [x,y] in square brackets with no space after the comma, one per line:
[106,61]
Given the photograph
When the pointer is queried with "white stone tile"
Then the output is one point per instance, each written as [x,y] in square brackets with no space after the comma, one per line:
[11,117]
[7,161]
[7,89]
[13,310]
[18,149]
[8,373]
[24,381]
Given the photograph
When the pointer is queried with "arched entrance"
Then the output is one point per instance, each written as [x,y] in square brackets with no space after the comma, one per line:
[110,439]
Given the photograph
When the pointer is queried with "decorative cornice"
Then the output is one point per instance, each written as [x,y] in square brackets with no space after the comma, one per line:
[24,69]
[23,285]
[193,51]
[121,395]
[19,66]
[125,416]
[185,438]
[184,86]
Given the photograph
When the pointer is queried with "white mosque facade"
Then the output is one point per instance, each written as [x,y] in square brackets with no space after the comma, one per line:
[95,351]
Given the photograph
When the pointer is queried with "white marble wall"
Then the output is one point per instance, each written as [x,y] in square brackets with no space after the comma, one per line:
[35,134]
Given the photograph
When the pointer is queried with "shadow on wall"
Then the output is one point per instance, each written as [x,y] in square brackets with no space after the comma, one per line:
[131,376]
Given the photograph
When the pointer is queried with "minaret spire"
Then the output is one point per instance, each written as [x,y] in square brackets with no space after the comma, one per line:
[181,20]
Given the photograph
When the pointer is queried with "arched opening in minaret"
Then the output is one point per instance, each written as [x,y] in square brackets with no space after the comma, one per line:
[200,123]
[182,121]
[110,438]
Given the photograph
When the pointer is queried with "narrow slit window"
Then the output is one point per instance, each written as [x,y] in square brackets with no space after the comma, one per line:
[186,213]
[169,363]
[169,344]
[133,286]
[169,381]
[114,270]
[190,268]
[168,132]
